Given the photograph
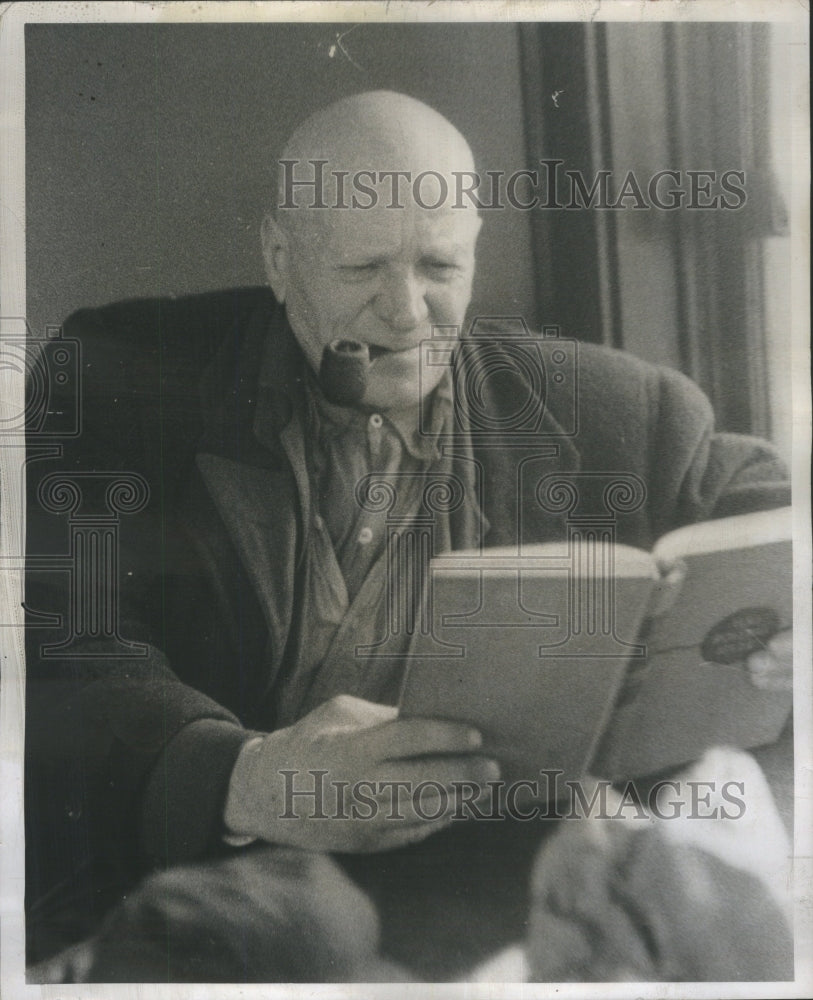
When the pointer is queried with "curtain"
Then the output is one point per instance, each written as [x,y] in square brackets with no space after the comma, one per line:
[659,136]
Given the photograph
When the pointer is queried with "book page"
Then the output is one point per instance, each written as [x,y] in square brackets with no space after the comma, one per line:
[695,691]
[529,652]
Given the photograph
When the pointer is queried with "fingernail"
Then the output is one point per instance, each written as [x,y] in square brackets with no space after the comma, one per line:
[760,662]
[475,738]
[492,770]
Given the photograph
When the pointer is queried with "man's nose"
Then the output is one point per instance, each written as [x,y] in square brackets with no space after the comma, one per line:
[401,302]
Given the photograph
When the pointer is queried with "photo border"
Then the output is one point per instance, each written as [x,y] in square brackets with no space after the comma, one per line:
[13,18]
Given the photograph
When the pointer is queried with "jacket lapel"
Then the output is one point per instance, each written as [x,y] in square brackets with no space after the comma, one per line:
[258,508]
[508,461]
[252,461]
[257,485]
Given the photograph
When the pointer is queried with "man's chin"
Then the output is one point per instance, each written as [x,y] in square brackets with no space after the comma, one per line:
[395,381]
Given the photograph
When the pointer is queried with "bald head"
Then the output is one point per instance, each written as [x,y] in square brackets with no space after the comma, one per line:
[369,242]
[384,127]
[374,149]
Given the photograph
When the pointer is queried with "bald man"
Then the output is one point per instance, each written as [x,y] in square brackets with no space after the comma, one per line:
[382,277]
[260,566]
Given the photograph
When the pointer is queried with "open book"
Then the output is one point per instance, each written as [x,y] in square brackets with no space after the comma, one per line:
[590,656]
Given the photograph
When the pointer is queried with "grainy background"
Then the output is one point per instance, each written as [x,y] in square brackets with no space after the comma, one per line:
[151,149]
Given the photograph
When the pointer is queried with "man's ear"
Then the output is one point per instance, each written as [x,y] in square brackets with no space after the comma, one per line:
[276,253]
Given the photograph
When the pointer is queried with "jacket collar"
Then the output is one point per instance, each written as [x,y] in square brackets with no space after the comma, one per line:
[509,462]
[267,362]
[256,384]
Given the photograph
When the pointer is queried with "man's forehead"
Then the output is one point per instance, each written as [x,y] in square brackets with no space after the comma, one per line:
[384,230]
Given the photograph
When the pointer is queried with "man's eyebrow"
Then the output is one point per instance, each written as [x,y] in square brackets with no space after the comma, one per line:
[357,257]
[360,257]
[446,248]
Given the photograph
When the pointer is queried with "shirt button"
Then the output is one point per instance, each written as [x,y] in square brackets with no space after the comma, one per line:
[365,536]
[376,420]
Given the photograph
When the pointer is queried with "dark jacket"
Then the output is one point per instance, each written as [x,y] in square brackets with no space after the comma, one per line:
[116,782]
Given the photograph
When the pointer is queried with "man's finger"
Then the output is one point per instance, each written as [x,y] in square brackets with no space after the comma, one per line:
[433,801]
[771,669]
[781,645]
[431,772]
[403,738]
[399,833]
[772,680]
[347,711]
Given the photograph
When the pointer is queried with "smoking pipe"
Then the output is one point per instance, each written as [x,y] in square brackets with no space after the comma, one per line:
[343,372]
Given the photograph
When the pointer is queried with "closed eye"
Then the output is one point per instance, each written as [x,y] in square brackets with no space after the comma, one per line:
[359,270]
[440,268]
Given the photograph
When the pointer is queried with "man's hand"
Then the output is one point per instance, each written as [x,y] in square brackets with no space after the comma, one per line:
[352,770]
[772,668]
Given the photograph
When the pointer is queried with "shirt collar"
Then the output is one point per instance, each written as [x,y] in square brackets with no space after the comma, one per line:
[285,378]
[418,427]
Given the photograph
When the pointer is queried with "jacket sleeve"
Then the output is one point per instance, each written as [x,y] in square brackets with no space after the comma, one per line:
[697,473]
[634,417]
[97,731]
[127,758]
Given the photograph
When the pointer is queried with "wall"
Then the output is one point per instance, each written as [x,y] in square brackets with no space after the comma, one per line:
[150,149]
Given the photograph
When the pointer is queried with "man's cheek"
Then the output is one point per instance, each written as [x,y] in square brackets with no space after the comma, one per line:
[448,305]
[317,318]
[345,309]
